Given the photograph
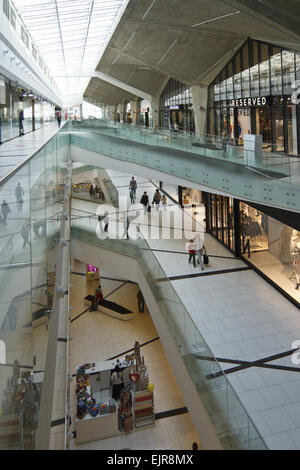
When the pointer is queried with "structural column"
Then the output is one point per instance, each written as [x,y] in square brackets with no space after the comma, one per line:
[200,97]
[155,110]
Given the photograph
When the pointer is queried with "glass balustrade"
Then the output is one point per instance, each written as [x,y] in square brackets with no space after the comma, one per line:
[30,199]
[215,163]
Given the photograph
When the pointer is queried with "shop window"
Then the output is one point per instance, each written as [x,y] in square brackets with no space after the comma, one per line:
[13,18]
[288,71]
[237,76]
[276,72]
[229,82]
[291,128]
[277,125]
[245,71]
[254,70]
[24,36]
[264,69]
[273,247]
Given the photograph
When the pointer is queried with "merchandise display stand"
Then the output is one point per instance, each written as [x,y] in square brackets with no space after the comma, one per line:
[143,408]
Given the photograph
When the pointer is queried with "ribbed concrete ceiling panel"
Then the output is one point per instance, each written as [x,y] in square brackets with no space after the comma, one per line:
[192,40]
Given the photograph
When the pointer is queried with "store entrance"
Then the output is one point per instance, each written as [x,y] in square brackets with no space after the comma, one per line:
[262,126]
[242,124]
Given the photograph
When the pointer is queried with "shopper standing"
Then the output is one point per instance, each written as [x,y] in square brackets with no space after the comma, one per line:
[145,201]
[5,210]
[19,193]
[21,119]
[117,383]
[156,198]
[200,249]
[192,253]
[133,185]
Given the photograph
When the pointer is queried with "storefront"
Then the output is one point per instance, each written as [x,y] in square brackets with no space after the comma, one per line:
[176,107]
[15,100]
[255,94]
[220,219]
[266,238]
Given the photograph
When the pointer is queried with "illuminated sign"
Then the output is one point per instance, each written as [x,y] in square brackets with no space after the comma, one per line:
[248,102]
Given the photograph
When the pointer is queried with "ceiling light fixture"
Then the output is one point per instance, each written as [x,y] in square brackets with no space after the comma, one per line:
[215,19]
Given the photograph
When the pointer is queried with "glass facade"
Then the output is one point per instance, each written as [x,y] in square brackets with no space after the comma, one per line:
[176,107]
[30,203]
[254,95]
[35,113]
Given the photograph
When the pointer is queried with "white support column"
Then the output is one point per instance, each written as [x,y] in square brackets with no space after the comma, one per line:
[155,110]
[200,97]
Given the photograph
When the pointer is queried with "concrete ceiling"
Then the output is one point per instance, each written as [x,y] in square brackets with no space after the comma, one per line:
[190,41]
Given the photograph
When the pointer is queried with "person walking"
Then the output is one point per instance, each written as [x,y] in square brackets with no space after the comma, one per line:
[192,252]
[19,193]
[200,249]
[25,233]
[133,185]
[141,302]
[21,119]
[132,196]
[58,117]
[97,298]
[5,210]
[156,198]
[126,223]
[164,202]
[145,201]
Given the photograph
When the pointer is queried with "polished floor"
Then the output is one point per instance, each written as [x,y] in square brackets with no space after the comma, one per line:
[241,317]
[97,337]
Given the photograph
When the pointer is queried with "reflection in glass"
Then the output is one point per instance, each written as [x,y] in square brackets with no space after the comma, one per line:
[276,71]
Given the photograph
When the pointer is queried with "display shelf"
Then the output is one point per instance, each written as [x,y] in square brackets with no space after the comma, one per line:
[143,408]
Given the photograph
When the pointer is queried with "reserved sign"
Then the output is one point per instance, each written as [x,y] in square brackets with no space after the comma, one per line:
[248,102]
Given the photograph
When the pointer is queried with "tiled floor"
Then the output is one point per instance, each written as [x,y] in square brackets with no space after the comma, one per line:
[97,337]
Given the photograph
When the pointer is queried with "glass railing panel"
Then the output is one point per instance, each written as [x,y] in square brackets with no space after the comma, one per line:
[255,170]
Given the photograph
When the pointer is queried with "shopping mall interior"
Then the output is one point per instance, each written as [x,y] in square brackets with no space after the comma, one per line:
[150,228]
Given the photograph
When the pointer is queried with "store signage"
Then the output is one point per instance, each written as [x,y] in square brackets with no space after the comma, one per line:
[248,102]
[175,107]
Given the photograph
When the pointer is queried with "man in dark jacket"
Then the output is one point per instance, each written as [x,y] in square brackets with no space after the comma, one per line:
[145,201]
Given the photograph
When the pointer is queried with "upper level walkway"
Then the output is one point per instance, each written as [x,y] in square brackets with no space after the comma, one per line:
[15,151]
[210,163]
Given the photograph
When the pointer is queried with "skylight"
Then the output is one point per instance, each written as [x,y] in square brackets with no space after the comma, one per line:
[71,36]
